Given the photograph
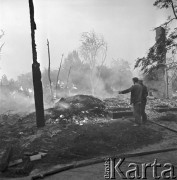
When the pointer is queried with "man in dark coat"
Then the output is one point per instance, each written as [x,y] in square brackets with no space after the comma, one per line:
[136,95]
[143,101]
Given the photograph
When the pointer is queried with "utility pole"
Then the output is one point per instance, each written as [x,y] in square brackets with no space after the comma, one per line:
[38,91]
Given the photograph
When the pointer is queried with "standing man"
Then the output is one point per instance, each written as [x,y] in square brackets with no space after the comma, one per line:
[143,102]
[135,100]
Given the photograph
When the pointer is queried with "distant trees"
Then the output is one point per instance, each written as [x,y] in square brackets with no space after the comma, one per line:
[4,80]
[93,50]
[22,85]
[25,80]
[114,77]
[79,73]
[121,74]
[88,72]
[78,80]
[118,76]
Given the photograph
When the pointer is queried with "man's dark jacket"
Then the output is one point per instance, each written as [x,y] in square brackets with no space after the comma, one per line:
[136,93]
[144,94]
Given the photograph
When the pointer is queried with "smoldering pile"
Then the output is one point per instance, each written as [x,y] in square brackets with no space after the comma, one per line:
[75,109]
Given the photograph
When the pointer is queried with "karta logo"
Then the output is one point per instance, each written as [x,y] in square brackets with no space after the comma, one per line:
[115,167]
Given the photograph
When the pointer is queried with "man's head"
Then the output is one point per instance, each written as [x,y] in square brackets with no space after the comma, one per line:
[135,80]
[141,82]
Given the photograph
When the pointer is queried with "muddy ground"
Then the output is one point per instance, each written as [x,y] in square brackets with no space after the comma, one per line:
[82,132]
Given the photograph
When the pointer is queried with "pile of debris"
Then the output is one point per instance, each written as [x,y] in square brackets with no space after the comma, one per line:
[162,105]
[76,109]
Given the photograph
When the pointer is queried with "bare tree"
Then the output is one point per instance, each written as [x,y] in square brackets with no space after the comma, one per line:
[2,34]
[94,51]
[50,82]
[59,72]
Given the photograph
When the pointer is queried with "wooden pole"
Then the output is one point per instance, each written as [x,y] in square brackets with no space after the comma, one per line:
[38,91]
[50,82]
[59,72]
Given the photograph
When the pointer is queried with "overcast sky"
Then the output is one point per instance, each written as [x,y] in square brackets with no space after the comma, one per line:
[125,24]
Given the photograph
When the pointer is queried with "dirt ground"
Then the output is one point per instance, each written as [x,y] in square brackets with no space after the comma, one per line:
[92,134]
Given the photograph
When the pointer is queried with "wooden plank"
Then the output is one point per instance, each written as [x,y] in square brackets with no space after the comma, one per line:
[120,114]
[119,109]
[165,109]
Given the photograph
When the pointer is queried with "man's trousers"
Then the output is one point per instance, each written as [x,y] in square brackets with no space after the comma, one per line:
[137,113]
[143,113]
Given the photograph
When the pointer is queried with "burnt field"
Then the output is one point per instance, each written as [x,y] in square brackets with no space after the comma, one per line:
[77,128]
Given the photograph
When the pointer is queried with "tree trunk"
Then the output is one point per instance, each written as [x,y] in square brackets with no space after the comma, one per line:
[38,91]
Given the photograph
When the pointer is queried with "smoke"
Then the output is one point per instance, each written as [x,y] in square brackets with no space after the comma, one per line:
[103,82]
[15,102]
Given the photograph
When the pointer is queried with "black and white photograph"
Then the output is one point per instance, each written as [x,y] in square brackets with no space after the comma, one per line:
[88,89]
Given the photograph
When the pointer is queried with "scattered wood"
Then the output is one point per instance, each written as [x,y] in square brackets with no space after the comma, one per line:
[6,159]
[15,162]
[37,156]
[31,158]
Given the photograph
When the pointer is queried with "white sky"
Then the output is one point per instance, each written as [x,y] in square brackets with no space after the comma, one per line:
[125,24]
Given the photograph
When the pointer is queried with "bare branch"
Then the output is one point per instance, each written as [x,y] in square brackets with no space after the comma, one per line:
[173,8]
[1,46]
[59,72]
[2,34]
